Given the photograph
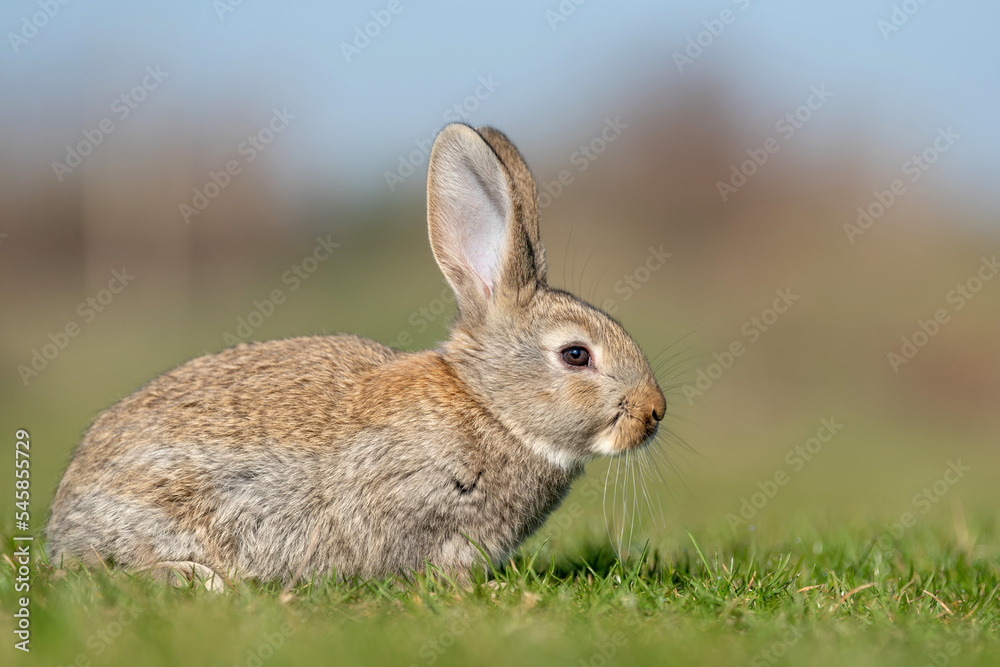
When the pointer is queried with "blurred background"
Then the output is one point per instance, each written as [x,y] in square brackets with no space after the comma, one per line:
[811,185]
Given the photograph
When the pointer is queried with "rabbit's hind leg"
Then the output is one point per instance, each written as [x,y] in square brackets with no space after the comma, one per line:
[186,573]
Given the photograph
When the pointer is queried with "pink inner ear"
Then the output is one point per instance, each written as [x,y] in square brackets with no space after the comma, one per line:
[481,227]
[470,271]
[474,197]
[483,255]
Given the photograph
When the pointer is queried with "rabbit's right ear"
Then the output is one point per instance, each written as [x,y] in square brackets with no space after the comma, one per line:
[484,250]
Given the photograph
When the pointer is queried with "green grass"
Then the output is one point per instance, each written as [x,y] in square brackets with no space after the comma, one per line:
[773,595]
[813,596]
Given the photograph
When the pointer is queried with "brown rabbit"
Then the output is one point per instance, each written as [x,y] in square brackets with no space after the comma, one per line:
[339,456]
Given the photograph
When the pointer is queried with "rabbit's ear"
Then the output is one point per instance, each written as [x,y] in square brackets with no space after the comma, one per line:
[476,223]
[525,192]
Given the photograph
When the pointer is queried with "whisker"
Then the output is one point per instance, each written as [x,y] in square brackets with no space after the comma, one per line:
[597,283]
[635,503]
[662,456]
[655,467]
[690,333]
[569,240]
[583,273]
[676,370]
[651,466]
[572,274]
[626,546]
[604,503]
[621,535]
[656,362]
[680,445]
[644,470]
[614,505]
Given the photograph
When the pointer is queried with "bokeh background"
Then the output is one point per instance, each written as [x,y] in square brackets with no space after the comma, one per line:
[668,99]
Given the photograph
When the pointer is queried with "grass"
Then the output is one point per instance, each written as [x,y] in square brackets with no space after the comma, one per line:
[835,598]
[791,591]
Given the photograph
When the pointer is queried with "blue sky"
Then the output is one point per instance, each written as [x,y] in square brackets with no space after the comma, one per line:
[942,67]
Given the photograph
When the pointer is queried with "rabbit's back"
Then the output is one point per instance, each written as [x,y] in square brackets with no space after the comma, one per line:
[278,391]
[214,455]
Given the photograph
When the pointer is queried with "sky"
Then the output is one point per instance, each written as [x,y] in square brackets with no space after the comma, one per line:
[554,69]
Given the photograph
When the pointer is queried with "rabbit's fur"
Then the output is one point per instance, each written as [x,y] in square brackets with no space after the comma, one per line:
[336,455]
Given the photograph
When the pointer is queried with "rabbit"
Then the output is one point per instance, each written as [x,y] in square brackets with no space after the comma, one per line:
[337,456]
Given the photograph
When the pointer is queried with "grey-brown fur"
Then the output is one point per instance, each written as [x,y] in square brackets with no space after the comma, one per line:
[338,455]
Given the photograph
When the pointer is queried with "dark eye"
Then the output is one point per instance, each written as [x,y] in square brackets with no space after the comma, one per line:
[576,356]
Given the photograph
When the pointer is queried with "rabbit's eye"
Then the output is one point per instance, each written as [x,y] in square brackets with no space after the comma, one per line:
[576,356]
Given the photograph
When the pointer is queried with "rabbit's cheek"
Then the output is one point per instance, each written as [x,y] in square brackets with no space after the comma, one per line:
[584,392]
[633,432]
[605,443]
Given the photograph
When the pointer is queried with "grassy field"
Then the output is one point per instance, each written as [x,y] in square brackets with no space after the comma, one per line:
[815,577]
[816,283]
[815,596]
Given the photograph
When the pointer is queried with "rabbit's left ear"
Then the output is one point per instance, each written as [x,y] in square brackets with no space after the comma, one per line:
[525,194]
[476,221]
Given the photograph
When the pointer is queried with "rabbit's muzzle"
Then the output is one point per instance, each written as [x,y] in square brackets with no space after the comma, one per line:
[641,413]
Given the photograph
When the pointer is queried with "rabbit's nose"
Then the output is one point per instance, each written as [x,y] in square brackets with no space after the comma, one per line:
[655,405]
[659,404]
